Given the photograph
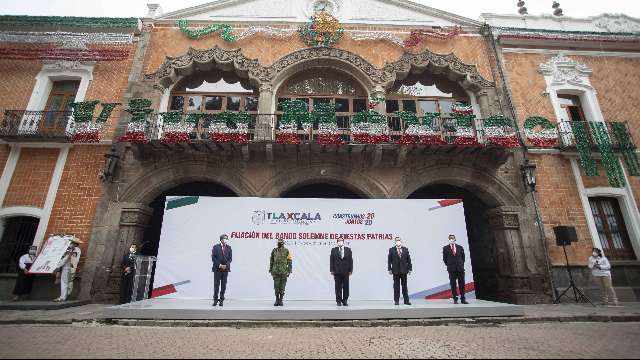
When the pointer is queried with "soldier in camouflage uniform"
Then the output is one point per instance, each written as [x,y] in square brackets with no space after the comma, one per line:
[280,268]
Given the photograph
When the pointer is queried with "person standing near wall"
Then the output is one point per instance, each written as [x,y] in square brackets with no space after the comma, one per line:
[222,256]
[341,267]
[128,272]
[67,269]
[24,283]
[601,271]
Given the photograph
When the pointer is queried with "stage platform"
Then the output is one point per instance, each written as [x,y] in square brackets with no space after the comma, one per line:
[179,309]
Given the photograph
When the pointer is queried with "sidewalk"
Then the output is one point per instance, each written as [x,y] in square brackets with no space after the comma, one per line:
[628,312]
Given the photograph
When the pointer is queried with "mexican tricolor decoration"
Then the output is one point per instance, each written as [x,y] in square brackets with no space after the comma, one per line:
[295,113]
[83,129]
[140,109]
[369,128]
[500,131]
[463,132]
[540,132]
[328,133]
[174,131]
[229,127]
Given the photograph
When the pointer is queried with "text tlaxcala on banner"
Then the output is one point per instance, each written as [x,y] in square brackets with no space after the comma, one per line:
[310,227]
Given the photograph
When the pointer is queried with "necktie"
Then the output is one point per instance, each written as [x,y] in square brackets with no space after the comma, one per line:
[399,252]
[342,253]
[222,250]
[453,248]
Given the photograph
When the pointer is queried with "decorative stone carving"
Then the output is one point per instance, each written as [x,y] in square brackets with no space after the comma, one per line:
[468,75]
[135,217]
[566,71]
[501,221]
[617,23]
[64,65]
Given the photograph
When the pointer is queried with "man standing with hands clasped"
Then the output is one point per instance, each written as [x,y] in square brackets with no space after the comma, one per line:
[341,265]
[453,257]
[400,266]
[222,257]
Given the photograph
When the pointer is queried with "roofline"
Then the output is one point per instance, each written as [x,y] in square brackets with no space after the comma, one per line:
[402,3]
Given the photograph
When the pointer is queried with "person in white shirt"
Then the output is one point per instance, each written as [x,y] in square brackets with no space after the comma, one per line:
[601,271]
[67,270]
[24,283]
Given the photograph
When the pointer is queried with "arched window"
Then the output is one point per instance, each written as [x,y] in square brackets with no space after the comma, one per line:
[213,92]
[424,93]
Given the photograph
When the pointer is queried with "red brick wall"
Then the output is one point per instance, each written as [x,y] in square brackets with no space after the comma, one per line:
[79,193]
[18,78]
[30,182]
[560,205]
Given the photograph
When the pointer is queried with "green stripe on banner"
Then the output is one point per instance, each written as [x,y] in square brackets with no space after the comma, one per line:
[181,202]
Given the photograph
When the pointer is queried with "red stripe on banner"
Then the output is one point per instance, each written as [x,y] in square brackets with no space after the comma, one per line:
[445,203]
[444,295]
[162,291]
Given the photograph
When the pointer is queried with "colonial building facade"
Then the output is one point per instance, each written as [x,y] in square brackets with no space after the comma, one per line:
[361,99]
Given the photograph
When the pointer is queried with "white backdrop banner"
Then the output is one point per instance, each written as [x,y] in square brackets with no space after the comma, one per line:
[310,227]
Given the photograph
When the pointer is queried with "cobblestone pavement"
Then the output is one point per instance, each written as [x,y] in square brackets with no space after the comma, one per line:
[560,340]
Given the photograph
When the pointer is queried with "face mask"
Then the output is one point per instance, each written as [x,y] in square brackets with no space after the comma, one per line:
[451,241]
[280,244]
[595,254]
[132,250]
[340,244]
[399,243]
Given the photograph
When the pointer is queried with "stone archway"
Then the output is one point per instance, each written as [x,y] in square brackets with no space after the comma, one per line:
[499,209]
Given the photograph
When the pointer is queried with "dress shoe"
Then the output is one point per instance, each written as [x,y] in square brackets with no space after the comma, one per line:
[221,303]
[464,302]
[345,304]
[455,301]
[339,303]
[215,303]
[407,303]
[397,303]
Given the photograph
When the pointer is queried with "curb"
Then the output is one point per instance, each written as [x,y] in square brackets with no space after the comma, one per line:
[247,324]
[372,323]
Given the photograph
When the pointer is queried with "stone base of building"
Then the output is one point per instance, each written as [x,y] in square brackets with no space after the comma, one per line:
[625,275]
[44,288]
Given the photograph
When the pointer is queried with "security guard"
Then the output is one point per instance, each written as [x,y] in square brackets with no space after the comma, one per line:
[281,266]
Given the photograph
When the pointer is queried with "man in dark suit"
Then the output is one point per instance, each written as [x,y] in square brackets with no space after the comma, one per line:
[400,266]
[453,257]
[341,265]
[222,257]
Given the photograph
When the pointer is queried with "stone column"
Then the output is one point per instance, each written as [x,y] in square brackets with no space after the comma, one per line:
[378,92]
[514,282]
[265,124]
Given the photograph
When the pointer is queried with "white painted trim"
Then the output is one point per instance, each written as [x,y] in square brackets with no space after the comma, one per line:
[591,224]
[627,201]
[621,54]
[21,211]
[56,71]
[51,196]
[7,173]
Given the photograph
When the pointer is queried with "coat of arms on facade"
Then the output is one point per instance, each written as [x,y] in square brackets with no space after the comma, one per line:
[323,29]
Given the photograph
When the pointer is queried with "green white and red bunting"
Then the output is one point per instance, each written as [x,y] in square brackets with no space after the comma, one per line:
[420,132]
[500,131]
[295,114]
[540,132]
[328,133]
[464,134]
[83,128]
[174,130]
[229,127]
[369,128]
[137,130]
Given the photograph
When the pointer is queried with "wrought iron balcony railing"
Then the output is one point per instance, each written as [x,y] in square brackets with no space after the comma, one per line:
[571,133]
[266,127]
[35,125]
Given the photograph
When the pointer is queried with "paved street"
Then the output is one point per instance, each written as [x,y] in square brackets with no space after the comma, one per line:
[561,340]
